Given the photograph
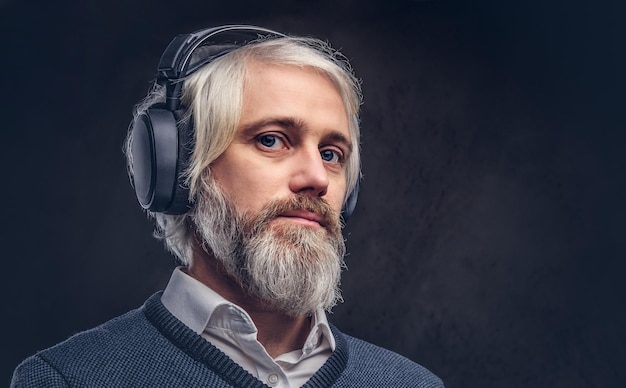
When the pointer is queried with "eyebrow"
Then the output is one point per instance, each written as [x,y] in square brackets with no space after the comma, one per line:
[293,123]
[284,122]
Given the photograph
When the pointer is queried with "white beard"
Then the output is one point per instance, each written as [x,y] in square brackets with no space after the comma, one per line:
[290,268]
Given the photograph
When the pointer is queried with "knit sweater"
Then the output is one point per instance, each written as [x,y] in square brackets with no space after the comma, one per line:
[149,347]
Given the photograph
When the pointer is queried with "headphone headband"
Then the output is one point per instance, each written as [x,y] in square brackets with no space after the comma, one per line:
[176,61]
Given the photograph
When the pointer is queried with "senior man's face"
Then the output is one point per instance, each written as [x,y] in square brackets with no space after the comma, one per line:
[270,208]
[293,138]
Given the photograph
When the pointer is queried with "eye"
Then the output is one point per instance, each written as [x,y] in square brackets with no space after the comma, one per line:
[269,141]
[331,156]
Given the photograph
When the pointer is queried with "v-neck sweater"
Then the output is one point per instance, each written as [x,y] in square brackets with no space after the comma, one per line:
[150,347]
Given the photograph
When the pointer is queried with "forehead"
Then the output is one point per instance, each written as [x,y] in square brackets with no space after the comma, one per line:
[300,92]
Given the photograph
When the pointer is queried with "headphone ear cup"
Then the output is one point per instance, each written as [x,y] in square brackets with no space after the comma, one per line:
[155,160]
[350,205]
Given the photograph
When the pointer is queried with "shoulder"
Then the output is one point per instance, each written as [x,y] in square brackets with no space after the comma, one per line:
[119,333]
[372,365]
[36,372]
[102,352]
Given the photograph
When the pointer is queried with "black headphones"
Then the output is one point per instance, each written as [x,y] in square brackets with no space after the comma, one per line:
[162,143]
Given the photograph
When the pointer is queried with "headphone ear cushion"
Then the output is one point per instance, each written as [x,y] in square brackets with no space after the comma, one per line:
[180,193]
[155,160]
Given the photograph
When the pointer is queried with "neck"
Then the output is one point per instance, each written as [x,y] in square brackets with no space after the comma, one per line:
[278,332]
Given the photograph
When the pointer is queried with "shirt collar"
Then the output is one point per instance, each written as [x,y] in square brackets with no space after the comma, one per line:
[197,306]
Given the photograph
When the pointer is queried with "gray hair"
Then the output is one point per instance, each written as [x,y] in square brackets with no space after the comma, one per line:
[213,96]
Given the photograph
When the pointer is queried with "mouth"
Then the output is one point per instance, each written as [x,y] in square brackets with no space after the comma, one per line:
[305,217]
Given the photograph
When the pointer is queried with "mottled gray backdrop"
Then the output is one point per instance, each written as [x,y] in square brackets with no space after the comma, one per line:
[488,242]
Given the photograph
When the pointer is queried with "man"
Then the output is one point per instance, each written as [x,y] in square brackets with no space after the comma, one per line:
[246,153]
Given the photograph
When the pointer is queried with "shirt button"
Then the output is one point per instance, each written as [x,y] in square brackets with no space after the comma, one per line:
[272,379]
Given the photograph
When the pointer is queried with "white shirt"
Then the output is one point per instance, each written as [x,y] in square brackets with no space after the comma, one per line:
[229,328]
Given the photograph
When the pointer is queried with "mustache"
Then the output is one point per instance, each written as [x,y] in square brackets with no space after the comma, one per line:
[319,206]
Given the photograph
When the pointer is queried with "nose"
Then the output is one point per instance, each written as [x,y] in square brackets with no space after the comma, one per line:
[309,175]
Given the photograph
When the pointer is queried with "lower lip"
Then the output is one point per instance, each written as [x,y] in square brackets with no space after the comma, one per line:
[303,221]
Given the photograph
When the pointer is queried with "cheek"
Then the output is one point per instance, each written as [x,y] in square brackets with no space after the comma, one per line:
[336,195]
[248,188]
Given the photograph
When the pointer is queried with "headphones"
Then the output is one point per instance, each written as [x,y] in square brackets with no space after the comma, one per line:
[162,143]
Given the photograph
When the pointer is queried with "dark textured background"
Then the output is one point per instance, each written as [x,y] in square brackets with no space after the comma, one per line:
[488,243]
